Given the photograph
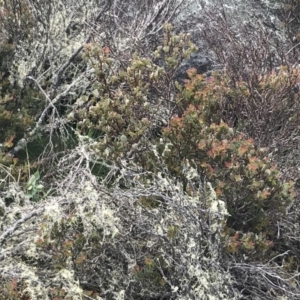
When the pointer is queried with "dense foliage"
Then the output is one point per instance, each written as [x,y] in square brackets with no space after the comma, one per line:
[121,181]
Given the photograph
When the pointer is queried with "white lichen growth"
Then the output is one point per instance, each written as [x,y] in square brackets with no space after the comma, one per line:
[50,40]
[71,285]
[217,209]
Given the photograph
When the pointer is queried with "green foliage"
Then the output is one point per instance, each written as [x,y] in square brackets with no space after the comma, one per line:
[256,245]
[127,103]
[34,188]
[263,106]
[241,174]
[193,183]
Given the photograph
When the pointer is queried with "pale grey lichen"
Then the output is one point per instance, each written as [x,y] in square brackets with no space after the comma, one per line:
[183,236]
[50,40]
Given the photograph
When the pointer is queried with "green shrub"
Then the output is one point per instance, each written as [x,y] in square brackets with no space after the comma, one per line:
[241,173]
[125,111]
[129,105]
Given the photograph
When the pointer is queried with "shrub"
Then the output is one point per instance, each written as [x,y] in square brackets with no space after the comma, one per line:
[104,244]
[130,105]
[129,110]
[189,203]
[242,175]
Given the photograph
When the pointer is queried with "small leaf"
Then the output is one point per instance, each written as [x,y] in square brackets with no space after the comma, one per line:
[202,145]
[166,49]
[8,143]
[149,262]
[36,175]
[265,194]
[80,259]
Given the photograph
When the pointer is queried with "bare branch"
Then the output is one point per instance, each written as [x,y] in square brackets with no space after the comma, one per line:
[12,229]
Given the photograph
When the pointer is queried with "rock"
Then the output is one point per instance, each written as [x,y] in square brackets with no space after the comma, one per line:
[198,61]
